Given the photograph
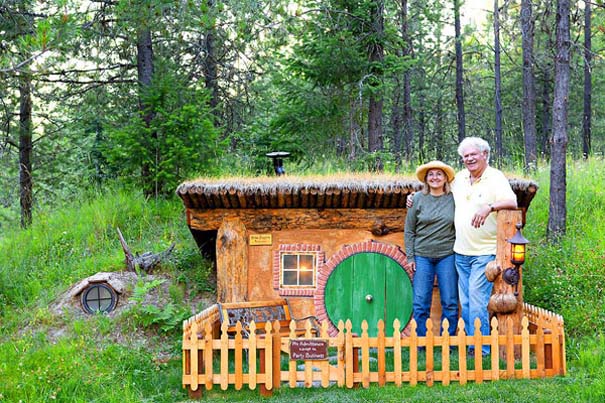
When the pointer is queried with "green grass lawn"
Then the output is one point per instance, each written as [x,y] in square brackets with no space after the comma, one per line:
[503,391]
[135,357]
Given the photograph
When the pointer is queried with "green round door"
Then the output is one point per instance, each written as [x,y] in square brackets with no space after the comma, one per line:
[369,286]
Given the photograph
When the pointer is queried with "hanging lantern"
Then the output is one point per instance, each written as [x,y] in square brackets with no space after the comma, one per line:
[518,244]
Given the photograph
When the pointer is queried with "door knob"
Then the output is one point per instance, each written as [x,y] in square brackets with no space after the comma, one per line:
[369,298]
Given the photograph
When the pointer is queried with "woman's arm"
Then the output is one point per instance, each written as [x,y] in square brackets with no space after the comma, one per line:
[410,235]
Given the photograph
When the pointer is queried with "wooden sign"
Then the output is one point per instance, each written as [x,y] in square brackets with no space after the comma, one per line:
[308,349]
[261,239]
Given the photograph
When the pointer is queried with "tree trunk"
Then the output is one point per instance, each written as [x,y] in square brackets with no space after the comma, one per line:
[558,185]
[546,73]
[497,85]
[586,121]
[421,123]
[210,70]
[25,149]
[408,124]
[375,135]
[407,98]
[375,141]
[546,113]
[439,135]
[232,261]
[145,76]
[355,134]
[397,122]
[529,92]
[459,74]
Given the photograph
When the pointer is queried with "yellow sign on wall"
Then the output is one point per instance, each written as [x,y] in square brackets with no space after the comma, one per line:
[261,239]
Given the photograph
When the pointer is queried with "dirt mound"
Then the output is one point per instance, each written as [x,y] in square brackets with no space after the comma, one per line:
[68,306]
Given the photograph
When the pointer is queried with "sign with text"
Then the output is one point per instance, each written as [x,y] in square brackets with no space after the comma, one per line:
[308,349]
[261,239]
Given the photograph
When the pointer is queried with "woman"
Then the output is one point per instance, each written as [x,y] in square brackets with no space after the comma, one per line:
[429,243]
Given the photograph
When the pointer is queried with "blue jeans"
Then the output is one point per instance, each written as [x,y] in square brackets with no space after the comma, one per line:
[474,290]
[447,279]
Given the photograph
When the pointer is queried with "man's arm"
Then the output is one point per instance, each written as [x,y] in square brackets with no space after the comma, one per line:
[485,210]
[503,198]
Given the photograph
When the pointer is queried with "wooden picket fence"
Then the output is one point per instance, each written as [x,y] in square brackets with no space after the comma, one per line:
[212,357]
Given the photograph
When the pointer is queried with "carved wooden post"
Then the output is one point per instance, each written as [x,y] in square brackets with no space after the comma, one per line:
[232,261]
[507,219]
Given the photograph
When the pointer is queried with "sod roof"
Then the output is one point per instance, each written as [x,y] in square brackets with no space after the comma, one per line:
[366,191]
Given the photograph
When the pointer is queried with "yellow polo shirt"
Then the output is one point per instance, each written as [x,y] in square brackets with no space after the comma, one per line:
[493,186]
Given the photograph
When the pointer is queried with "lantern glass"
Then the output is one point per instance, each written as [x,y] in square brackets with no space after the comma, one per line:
[517,254]
[517,247]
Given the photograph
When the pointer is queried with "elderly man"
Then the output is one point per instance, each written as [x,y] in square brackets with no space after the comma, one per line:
[479,191]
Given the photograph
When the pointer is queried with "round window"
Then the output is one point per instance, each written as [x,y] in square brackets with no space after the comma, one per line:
[99,298]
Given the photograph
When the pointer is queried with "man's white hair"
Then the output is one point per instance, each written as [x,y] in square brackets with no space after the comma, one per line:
[474,142]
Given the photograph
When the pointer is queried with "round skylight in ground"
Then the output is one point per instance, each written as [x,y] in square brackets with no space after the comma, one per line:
[99,297]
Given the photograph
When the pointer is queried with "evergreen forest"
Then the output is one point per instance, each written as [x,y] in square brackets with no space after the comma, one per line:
[151,92]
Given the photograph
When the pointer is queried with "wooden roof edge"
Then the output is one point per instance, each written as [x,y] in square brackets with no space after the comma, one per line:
[350,184]
[199,194]
[264,186]
[524,184]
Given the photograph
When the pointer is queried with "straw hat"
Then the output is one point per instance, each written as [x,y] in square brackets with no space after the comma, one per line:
[423,169]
